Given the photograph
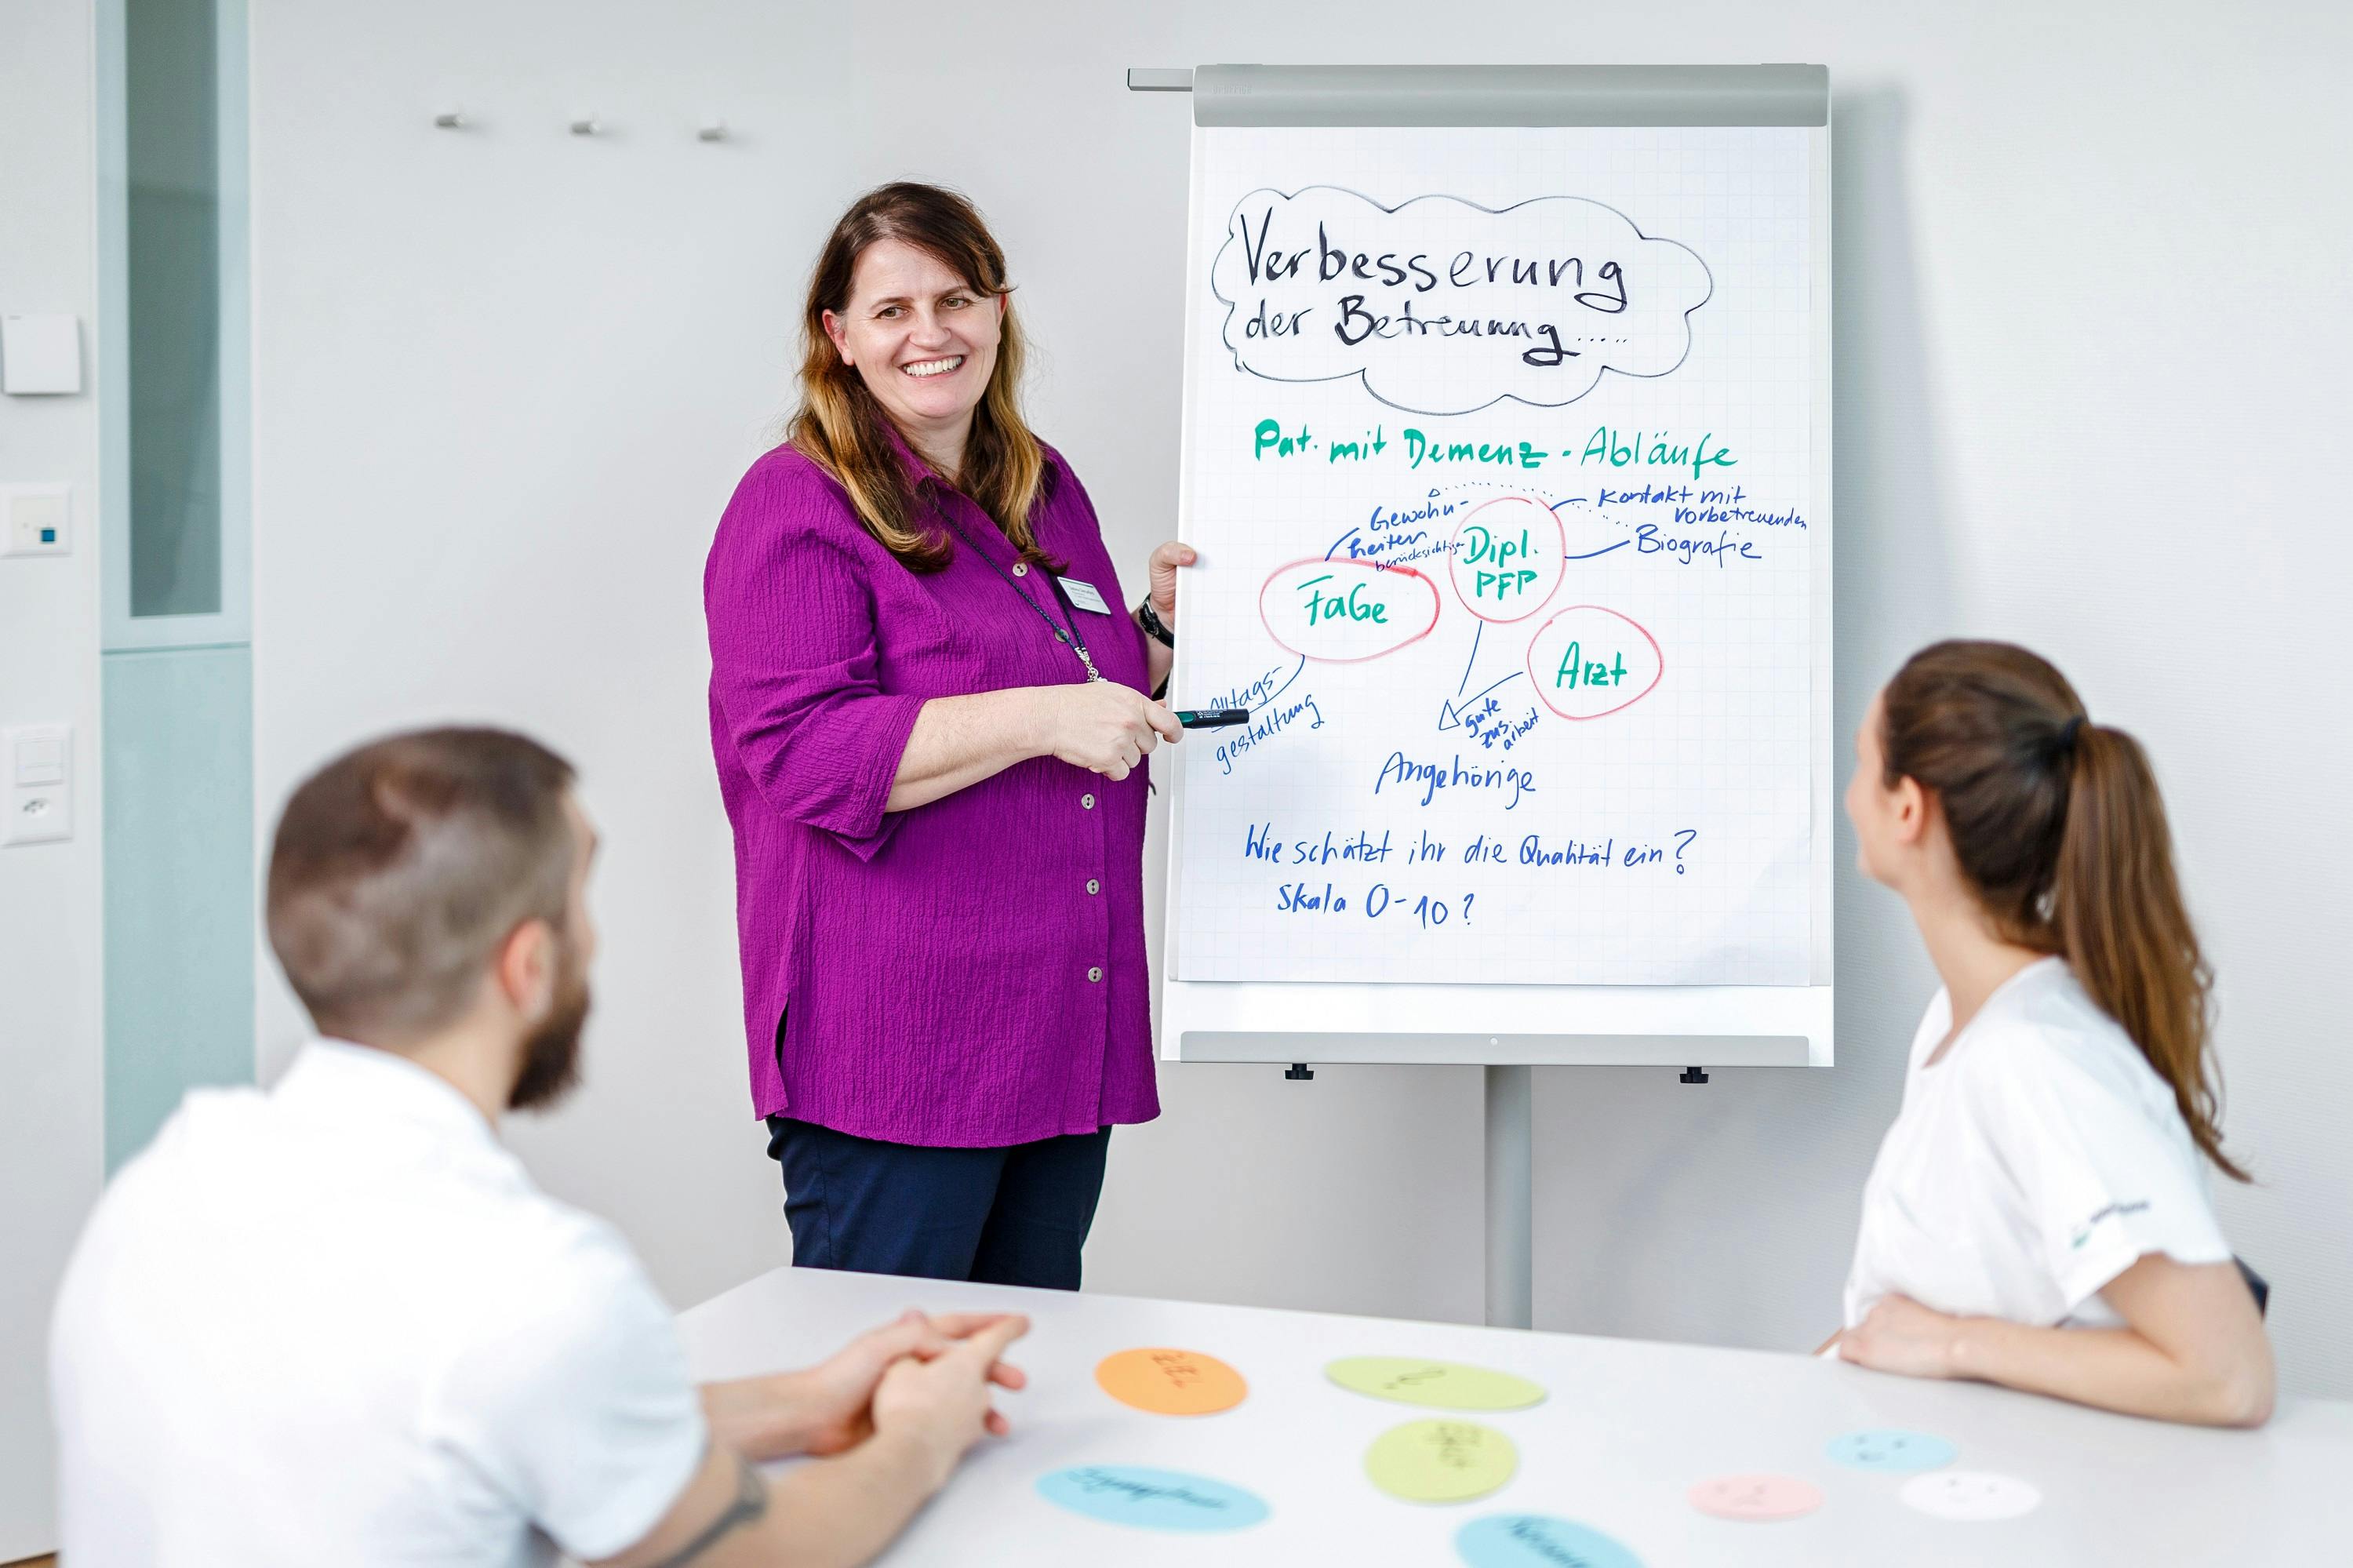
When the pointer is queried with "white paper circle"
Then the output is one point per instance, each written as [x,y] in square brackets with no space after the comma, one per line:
[1971,1494]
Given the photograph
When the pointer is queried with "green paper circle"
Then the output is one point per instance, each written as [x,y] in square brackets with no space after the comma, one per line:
[1440,1461]
[1441,1385]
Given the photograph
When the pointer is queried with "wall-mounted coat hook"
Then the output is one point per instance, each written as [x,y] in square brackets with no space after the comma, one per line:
[714,129]
[451,119]
[587,125]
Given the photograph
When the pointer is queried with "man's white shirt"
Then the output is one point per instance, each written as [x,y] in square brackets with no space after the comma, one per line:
[2038,1158]
[335,1322]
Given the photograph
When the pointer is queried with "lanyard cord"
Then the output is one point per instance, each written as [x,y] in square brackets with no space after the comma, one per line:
[1070,638]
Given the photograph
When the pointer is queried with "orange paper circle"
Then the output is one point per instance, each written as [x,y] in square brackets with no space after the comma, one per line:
[1171,1383]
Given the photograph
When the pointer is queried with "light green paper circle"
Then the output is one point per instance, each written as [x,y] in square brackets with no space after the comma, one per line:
[1440,1461]
[1441,1386]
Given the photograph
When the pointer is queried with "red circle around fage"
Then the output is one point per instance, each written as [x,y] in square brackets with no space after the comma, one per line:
[1361,626]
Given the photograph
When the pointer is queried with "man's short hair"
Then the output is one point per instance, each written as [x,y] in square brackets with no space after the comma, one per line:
[400,868]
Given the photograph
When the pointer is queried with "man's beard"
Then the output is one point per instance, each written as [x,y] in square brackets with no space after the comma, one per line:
[551,1053]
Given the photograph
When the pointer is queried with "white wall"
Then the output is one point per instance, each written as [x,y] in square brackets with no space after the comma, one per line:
[2089,337]
[51,1131]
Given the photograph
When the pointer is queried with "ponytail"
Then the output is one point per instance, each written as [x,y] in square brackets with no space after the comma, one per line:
[2124,930]
[2058,826]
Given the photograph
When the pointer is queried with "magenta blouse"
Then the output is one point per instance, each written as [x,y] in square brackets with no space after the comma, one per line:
[969,973]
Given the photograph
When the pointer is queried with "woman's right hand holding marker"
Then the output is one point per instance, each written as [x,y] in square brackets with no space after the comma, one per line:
[1103,726]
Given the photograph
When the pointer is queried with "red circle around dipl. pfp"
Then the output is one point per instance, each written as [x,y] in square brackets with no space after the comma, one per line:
[1544,555]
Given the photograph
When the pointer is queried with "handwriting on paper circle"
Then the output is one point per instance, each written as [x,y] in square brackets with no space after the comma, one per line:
[1443,1385]
[1538,1540]
[1975,1496]
[1755,1498]
[1151,1499]
[1440,1461]
[1168,1382]
[1889,1449]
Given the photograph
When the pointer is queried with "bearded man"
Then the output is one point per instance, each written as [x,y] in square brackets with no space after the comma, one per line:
[336,1322]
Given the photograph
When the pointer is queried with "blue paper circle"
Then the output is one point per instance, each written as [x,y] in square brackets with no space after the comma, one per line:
[1538,1541]
[1150,1499]
[1887,1449]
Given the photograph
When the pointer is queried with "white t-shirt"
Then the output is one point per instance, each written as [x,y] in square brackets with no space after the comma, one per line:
[2038,1160]
[337,1323]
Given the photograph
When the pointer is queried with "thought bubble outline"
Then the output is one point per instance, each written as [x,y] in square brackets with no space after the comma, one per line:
[1362,372]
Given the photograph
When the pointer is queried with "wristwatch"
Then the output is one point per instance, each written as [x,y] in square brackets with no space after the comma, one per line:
[1153,627]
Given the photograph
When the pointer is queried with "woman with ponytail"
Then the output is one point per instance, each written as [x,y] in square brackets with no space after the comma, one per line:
[2037,1215]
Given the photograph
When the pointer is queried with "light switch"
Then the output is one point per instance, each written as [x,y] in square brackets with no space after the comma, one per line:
[36,520]
[40,354]
[36,765]
[40,759]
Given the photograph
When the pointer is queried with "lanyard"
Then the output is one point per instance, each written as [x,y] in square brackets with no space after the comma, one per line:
[1069,638]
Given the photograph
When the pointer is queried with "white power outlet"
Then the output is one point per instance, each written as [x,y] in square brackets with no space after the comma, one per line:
[36,520]
[37,783]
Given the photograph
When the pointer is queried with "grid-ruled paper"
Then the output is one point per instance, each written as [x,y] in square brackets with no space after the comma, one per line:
[1459,802]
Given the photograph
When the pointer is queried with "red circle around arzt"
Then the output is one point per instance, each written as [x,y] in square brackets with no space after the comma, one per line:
[1621,707]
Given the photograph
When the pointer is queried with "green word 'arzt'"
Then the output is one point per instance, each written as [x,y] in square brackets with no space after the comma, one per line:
[1577,670]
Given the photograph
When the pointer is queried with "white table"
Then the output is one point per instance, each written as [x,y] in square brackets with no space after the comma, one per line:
[1628,1426]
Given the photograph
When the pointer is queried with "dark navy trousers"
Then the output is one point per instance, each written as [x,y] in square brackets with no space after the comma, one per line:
[1002,1216]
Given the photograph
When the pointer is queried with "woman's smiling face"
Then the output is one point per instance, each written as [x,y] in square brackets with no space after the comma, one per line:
[922,339]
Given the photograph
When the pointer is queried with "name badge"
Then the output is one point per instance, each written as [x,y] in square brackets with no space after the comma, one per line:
[1084,596]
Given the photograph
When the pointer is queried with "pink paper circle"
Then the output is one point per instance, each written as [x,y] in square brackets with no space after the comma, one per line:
[1756,1498]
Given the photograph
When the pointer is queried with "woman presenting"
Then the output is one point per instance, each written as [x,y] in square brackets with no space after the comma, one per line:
[928,710]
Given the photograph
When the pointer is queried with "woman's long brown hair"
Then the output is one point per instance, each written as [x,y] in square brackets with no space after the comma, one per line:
[2057,825]
[844,430]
